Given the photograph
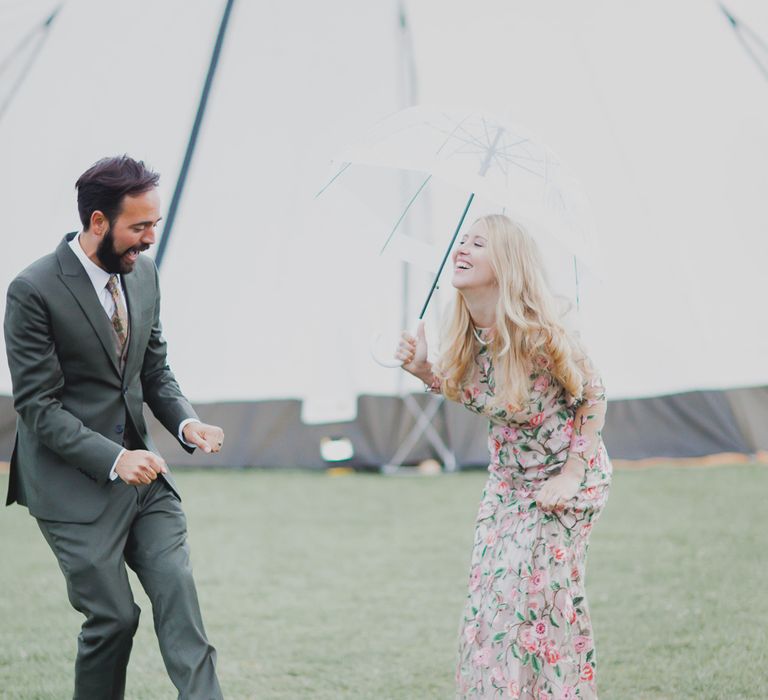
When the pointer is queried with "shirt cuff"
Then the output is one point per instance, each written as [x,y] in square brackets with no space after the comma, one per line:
[181,431]
[112,472]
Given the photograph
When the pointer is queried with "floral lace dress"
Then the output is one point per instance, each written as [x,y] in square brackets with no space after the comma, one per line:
[526,630]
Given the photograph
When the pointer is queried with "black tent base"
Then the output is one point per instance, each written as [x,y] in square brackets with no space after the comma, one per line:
[271,434]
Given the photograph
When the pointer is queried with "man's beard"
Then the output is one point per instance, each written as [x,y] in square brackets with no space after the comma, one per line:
[112,261]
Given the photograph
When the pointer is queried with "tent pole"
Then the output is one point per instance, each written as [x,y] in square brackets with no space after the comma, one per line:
[45,28]
[178,191]
[742,32]
[423,415]
[408,98]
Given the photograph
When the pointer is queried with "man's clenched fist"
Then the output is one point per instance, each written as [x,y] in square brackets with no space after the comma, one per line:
[140,467]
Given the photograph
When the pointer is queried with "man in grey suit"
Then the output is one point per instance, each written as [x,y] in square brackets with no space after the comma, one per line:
[86,351]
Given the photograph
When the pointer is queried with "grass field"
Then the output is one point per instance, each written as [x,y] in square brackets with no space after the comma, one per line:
[351,587]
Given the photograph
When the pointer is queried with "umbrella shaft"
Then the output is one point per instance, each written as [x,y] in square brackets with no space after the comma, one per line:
[445,257]
[490,153]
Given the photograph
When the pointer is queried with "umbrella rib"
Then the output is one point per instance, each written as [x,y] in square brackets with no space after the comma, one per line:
[576,274]
[470,148]
[484,126]
[405,211]
[742,31]
[490,153]
[508,161]
[528,170]
[750,51]
[514,150]
[38,28]
[333,179]
[738,25]
[488,143]
[751,32]
[500,156]
[520,144]
[510,158]
[451,134]
[471,138]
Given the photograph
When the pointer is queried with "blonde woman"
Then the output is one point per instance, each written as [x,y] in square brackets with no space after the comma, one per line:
[526,630]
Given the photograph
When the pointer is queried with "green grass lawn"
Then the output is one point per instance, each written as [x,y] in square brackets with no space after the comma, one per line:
[351,587]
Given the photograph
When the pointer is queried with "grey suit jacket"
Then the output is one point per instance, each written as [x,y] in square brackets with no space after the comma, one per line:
[73,402]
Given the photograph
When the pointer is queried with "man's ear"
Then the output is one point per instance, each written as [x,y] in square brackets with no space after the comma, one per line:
[99,224]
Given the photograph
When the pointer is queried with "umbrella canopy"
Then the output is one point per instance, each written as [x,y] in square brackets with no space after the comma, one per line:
[485,155]
[477,153]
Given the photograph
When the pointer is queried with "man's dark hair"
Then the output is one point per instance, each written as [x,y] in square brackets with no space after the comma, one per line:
[103,186]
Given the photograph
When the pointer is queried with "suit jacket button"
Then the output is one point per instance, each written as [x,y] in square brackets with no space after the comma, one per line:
[125,390]
[119,429]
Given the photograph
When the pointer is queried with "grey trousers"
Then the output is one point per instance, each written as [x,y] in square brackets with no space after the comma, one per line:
[145,528]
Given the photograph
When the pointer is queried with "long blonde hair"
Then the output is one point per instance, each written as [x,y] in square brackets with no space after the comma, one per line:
[527,328]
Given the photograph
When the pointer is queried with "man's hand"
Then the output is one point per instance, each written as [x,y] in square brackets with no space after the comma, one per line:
[209,438]
[139,467]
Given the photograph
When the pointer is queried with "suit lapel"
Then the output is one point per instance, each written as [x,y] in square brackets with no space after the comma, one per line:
[75,278]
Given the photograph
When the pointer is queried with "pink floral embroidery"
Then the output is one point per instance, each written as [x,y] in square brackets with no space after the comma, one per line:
[581,643]
[579,443]
[476,578]
[483,657]
[551,653]
[502,488]
[527,629]
[536,582]
[471,393]
[528,641]
[509,434]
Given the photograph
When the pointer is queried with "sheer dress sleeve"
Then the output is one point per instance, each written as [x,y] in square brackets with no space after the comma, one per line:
[589,418]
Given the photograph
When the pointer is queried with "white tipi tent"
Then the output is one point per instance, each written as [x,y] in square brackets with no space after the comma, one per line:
[659,109]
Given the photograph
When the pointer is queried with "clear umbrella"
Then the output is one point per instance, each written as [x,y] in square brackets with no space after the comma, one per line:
[483,155]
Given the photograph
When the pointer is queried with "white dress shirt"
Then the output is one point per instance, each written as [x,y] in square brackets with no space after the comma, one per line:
[99,279]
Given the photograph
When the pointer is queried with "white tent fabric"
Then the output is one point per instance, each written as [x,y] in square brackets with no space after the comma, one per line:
[259,300]
[661,113]
[655,106]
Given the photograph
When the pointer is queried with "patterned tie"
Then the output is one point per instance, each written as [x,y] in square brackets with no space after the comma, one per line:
[119,315]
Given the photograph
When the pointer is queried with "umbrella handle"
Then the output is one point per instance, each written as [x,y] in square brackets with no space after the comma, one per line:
[390,362]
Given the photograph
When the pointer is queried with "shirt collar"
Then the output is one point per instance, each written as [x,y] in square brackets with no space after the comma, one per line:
[98,277]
